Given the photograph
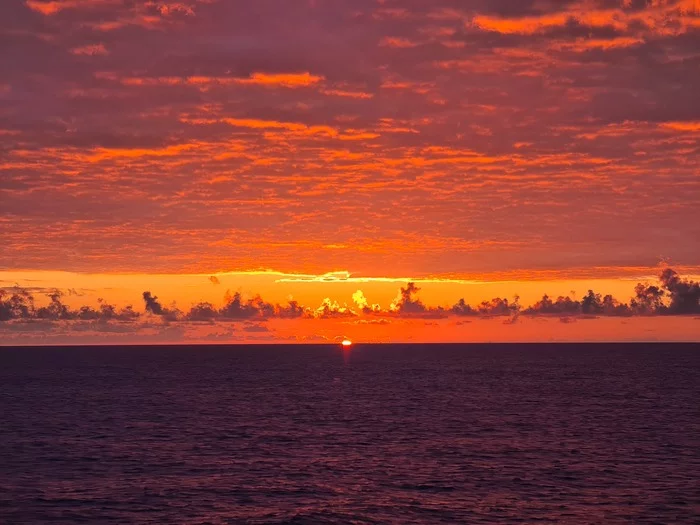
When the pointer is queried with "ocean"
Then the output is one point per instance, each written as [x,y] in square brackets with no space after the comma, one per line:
[521,433]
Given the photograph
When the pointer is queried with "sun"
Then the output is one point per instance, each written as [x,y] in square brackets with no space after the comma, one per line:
[346,342]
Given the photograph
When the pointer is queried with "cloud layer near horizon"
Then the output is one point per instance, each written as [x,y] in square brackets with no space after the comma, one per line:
[674,295]
[661,306]
[430,137]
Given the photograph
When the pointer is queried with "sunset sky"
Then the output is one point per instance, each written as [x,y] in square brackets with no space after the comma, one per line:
[307,150]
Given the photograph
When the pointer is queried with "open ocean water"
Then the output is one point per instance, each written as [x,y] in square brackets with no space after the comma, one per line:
[377,434]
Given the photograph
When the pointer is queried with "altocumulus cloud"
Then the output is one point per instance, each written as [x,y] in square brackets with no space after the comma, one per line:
[372,94]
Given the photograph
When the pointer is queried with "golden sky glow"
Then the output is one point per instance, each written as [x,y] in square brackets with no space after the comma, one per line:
[478,148]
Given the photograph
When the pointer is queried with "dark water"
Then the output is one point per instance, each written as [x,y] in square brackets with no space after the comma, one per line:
[383,434]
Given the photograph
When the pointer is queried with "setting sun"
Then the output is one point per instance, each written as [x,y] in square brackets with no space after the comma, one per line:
[346,342]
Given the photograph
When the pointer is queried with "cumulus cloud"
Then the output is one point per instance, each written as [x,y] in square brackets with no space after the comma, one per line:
[203,312]
[591,304]
[684,294]
[405,302]
[237,308]
[333,310]
[152,304]
[648,299]
[361,301]
[19,304]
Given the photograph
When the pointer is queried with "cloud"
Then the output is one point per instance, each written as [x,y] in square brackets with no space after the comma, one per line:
[20,305]
[152,304]
[382,321]
[684,293]
[673,296]
[26,320]
[405,303]
[591,304]
[290,80]
[499,307]
[90,50]
[203,312]
[463,309]
[236,308]
[52,7]
[361,301]
[494,308]
[333,310]
[256,328]
[214,280]
[432,138]
[683,126]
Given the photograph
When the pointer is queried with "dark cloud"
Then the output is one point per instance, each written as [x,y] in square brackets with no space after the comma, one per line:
[463,309]
[496,307]
[407,302]
[684,298]
[256,328]
[236,308]
[20,305]
[562,306]
[684,294]
[152,304]
[203,312]
[55,310]
[107,312]
[648,299]
[591,304]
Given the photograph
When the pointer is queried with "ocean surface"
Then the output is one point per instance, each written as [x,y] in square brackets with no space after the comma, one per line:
[376,434]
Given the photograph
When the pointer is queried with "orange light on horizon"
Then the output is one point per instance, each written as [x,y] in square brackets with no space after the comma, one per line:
[346,343]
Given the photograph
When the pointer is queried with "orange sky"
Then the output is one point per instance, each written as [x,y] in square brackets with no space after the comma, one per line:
[482,148]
